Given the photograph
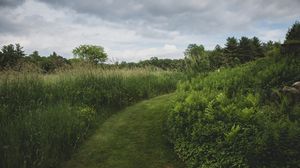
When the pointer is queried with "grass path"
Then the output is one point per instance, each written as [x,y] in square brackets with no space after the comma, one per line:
[132,138]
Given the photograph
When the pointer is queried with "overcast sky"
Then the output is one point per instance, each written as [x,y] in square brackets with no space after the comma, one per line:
[133,30]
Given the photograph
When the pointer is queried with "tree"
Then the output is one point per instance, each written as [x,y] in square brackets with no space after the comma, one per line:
[196,58]
[216,58]
[35,55]
[230,51]
[245,50]
[90,53]
[291,44]
[271,48]
[58,61]
[293,34]
[257,47]
[10,55]
[155,61]
[48,64]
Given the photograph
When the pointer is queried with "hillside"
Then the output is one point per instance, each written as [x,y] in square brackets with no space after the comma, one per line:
[239,117]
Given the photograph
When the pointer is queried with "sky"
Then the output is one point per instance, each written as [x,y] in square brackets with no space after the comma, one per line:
[133,30]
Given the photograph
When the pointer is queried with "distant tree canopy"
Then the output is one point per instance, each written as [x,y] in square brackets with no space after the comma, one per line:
[90,53]
[165,64]
[156,63]
[249,49]
[231,51]
[10,55]
[196,58]
[48,64]
[13,57]
[216,58]
[291,44]
[235,52]
[271,48]
[293,34]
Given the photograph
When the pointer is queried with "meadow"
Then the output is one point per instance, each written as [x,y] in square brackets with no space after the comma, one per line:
[45,117]
[233,106]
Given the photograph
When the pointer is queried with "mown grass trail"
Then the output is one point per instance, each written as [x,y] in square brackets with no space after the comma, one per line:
[132,138]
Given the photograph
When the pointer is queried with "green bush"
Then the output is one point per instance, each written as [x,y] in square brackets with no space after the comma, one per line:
[43,118]
[238,117]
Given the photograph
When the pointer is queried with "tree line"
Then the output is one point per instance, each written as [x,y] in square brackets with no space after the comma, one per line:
[196,58]
[235,52]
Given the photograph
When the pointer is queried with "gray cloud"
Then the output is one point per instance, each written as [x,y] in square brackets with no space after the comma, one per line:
[7,26]
[10,3]
[138,29]
[200,16]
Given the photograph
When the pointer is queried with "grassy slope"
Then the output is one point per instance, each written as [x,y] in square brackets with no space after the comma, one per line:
[131,138]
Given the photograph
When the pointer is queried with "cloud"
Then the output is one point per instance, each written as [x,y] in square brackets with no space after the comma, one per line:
[132,30]
[10,3]
[188,16]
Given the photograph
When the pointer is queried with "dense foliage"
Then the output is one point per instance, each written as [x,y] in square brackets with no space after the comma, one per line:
[90,53]
[293,34]
[14,58]
[48,64]
[43,118]
[154,63]
[291,44]
[10,55]
[238,117]
[235,52]
[196,58]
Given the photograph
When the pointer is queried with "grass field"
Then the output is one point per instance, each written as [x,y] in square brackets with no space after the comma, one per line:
[132,138]
[44,118]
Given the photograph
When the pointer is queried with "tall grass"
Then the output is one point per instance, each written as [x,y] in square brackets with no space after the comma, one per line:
[43,118]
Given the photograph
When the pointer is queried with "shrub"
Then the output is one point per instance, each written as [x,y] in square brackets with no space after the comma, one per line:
[231,118]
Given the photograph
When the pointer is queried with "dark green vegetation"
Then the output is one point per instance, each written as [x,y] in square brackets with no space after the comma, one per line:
[198,60]
[132,138]
[90,53]
[155,63]
[235,52]
[43,118]
[291,44]
[238,117]
[293,34]
[12,57]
